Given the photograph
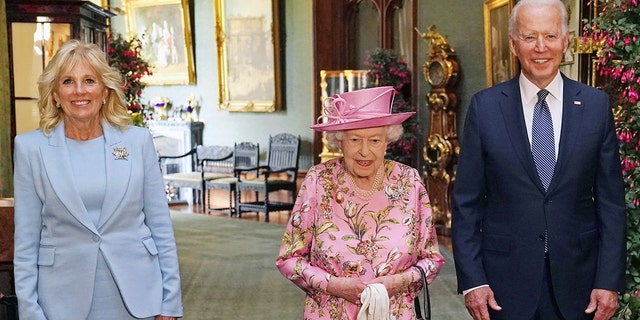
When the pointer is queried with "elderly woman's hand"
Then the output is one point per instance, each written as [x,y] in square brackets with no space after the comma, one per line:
[346,288]
[393,283]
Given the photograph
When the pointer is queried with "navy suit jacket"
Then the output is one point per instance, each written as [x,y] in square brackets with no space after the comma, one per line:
[57,244]
[501,211]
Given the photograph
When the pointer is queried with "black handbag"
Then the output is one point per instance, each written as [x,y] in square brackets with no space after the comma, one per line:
[426,301]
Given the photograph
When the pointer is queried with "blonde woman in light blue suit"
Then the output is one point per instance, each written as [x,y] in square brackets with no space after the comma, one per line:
[93,235]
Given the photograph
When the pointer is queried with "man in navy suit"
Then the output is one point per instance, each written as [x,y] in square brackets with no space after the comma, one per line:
[530,245]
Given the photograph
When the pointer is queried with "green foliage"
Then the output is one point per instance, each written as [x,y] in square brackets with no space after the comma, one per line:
[125,56]
[615,30]
[386,68]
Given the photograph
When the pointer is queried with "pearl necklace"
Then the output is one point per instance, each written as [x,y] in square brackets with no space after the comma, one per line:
[366,194]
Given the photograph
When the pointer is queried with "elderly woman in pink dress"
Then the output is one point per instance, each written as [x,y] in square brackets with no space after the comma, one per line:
[362,225]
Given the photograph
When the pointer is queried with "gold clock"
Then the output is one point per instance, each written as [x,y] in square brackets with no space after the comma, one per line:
[437,73]
[440,151]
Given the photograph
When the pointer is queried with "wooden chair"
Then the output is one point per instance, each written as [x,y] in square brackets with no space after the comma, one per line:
[245,155]
[280,173]
[211,162]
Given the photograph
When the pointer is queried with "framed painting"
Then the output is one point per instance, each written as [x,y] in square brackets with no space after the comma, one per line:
[248,43]
[501,65]
[165,30]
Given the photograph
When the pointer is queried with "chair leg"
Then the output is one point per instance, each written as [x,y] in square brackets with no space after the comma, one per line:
[203,190]
[238,210]
[266,206]
[231,206]
[208,207]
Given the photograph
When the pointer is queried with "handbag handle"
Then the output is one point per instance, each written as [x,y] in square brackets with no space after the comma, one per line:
[426,301]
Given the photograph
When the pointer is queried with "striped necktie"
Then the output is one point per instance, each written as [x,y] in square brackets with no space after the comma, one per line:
[542,141]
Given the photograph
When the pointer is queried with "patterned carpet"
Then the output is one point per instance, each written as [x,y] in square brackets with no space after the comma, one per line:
[228,272]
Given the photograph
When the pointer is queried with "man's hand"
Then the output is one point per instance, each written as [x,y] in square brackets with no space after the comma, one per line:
[346,288]
[477,300]
[165,318]
[603,302]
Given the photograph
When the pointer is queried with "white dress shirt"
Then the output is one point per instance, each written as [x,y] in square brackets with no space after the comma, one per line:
[529,96]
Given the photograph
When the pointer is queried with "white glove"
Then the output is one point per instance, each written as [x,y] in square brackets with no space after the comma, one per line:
[375,303]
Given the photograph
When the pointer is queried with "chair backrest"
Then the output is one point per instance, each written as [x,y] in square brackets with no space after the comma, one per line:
[246,155]
[215,158]
[284,149]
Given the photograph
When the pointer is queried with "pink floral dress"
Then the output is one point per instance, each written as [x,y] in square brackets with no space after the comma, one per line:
[332,231]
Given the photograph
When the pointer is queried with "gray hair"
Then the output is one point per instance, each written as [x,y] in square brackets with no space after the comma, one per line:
[394,132]
[513,19]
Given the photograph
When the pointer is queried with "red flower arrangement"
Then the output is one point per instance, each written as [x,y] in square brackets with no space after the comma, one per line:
[124,55]
[615,31]
[386,68]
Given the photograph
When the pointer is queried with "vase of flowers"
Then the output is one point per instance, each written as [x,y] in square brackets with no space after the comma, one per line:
[615,31]
[386,68]
[124,55]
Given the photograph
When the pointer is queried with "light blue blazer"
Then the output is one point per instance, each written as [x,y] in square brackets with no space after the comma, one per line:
[57,244]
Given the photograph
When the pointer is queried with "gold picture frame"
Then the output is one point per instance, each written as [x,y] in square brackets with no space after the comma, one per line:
[164,26]
[501,65]
[248,43]
[568,57]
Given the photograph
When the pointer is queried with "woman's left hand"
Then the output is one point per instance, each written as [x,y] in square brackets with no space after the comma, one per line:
[165,318]
[393,283]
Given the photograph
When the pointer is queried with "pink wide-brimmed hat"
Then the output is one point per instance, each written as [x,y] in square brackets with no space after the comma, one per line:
[359,109]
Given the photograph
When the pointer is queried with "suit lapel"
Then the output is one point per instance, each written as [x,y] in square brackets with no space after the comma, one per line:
[511,108]
[572,112]
[58,166]
[118,160]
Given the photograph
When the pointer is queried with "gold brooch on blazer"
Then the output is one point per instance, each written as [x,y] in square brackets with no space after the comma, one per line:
[120,153]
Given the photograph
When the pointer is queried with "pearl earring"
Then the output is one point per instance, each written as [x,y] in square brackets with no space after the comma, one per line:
[58,105]
[104,101]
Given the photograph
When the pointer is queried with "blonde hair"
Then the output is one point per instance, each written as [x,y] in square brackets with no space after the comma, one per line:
[394,132]
[114,111]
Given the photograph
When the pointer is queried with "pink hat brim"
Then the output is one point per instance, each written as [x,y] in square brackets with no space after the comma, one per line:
[384,120]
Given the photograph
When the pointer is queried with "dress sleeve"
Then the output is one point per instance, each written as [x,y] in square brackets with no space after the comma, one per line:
[430,259]
[296,249]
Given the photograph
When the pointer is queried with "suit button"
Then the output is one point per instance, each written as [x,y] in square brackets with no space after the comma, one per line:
[95,239]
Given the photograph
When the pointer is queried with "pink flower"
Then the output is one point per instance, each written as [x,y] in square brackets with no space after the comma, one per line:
[633,95]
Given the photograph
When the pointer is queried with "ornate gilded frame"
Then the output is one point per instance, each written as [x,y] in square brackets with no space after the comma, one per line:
[500,64]
[248,43]
[165,27]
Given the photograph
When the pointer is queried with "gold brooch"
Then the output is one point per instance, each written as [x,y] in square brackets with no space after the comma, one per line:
[120,153]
